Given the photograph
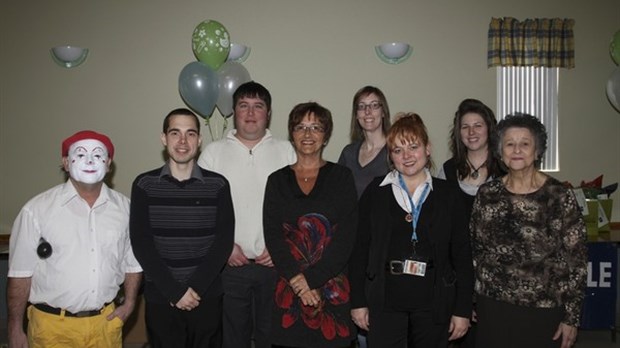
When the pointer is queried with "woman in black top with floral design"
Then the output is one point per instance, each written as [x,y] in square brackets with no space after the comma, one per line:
[310,220]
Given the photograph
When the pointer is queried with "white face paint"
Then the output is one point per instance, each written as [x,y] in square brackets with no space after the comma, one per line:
[88,161]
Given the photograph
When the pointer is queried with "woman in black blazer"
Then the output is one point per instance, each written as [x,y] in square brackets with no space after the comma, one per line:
[411,271]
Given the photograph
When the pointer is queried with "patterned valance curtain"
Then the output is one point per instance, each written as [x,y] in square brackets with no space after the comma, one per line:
[540,42]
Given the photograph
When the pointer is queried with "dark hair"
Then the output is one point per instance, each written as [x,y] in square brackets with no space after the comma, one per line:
[409,127]
[458,149]
[252,90]
[183,112]
[323,115]
[529,122]
[356,129]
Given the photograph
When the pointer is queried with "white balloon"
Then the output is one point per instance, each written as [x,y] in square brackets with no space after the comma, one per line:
[613,89]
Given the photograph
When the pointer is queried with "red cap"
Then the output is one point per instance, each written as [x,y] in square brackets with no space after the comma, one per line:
[87,134]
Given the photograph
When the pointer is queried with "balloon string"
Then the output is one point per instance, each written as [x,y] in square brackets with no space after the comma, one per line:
[225,126]
[208,124]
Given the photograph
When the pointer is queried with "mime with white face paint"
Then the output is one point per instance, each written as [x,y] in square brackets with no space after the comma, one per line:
[71,283]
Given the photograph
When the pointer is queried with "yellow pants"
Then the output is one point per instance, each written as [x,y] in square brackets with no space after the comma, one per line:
[50,331]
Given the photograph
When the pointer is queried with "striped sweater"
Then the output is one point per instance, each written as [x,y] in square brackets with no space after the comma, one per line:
[181,232]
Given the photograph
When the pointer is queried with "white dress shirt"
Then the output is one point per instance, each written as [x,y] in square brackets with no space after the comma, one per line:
[401,195]
[91,251]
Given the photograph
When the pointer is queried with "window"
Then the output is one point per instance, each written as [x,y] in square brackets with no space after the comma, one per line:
[534,91]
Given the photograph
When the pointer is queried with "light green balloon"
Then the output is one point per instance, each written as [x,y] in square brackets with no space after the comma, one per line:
[614,48]
[211,43]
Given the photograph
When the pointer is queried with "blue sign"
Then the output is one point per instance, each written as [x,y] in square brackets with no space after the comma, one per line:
[599,308]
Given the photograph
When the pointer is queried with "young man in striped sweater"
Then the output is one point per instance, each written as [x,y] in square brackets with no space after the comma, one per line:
[181,227]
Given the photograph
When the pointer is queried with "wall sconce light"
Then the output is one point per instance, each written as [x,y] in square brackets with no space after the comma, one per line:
[238,52]
[393,52]
[69,56]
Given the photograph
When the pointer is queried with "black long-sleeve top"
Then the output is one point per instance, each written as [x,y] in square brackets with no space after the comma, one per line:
[181,232]
[443,220]
[311,234]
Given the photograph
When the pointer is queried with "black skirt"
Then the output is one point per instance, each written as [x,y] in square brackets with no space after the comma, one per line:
[501,324]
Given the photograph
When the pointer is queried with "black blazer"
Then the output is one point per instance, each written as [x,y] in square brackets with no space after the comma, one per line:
[449,168]
[443,215]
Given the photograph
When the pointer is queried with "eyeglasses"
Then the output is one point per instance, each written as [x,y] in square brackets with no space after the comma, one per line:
[314,128]
[373,106]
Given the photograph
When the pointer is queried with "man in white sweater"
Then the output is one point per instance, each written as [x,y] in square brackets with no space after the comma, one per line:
[246,157]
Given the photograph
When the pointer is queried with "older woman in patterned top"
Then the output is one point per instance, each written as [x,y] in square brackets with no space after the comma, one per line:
[529,250]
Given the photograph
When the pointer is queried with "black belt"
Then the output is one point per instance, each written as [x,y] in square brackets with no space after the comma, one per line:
[395,267]
[58,311]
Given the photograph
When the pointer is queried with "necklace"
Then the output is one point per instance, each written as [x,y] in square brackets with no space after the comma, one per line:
[475,173]
[408,216]
[414,213]
[308,177]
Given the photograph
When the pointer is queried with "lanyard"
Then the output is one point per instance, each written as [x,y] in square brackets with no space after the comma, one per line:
[415,209]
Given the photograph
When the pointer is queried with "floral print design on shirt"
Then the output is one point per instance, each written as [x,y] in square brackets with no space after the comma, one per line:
[306,242]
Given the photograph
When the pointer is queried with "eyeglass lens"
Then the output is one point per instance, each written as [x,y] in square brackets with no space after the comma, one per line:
[312,128]
[373,106]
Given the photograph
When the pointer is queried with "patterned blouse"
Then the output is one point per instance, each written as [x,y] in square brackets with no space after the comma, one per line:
[529,249]
[312,234]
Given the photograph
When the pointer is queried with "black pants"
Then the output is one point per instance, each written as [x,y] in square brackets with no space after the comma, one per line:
[170,327]
[413,329]
[248,303]
[505,325]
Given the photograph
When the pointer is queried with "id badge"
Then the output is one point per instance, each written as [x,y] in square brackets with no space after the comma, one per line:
[413,267]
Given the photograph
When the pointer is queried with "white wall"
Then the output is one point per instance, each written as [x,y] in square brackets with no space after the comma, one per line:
[301,50]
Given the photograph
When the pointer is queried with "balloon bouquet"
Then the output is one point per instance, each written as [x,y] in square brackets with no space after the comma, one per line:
[613,84]
[211,80]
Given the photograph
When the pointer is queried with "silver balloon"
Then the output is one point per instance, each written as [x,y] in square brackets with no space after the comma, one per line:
[230,75]
[613,89]
[198,88]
